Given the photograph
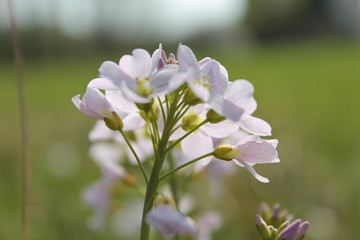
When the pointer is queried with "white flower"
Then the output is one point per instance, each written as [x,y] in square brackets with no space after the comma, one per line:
[250,151]
[168,221]
[138,78]
[200,142]
[206,79]
[240,93]
[115,110]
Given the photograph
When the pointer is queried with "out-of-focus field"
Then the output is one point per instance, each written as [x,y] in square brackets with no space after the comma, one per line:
[307,91]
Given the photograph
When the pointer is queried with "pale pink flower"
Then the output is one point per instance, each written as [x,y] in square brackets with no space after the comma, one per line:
[249,151]
[168,221]
[137,76]
[240,93]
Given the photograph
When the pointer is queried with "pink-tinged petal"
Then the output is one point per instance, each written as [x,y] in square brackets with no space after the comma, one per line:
[196,145]
[187,60]
[118,99]
[247,138]
[113,72]
[168,222]
[237,137]
[221,129]
[204,61]
[226,108]
[252,171]
[218,80]
[76,100]
[291,232]
[240,92]
[156,56]
[255,125]
[259,151]
[177,80]
[133,121]
[103,83]
[137,65]
[160,80]
[95,101]
[200,91]
[132,96]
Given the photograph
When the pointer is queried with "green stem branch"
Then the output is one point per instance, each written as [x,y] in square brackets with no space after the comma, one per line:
[185,164]
[135,155]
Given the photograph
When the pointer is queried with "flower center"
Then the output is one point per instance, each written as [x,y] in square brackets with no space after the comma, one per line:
[143,88]
[204,81]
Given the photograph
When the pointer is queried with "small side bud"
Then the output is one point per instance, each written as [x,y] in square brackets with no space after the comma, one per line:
[226,152]
[190,121]
[214,117]
[262,228]
[115,122]
[291,232]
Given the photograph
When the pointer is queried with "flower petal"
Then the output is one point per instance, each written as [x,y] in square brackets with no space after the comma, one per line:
[255,125]
[137,65]
[258,151]
[240,92]
[133,121]
[252,171]
[187,60]
[221,129]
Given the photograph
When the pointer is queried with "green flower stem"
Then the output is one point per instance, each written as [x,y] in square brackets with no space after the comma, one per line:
[135,155]
[186,134]
[185,164]
[154,181]
[162,109]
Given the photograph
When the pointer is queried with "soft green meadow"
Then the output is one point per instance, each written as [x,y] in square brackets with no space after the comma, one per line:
[307,91]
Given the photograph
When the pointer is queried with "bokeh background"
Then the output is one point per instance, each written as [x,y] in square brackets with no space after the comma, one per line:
[303,56]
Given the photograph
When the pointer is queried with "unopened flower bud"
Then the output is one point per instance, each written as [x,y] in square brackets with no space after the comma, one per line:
[226,152]
[190,121]
[214,117]
[295,231]
[263,228]
[114,122]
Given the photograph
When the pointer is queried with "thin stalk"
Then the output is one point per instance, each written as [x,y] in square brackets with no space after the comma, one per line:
[185,164]
[135,155]
[186,134]
[25,150]
[153,184]
[162,109]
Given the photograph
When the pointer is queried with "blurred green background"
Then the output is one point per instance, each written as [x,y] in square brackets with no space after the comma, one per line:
[303,58]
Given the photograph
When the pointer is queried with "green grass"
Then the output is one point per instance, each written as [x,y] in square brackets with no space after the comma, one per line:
[308,91]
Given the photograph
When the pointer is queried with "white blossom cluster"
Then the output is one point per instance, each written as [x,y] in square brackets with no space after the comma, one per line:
[163,113]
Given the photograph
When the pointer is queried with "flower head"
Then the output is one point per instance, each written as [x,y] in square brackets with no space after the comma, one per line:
[250,151]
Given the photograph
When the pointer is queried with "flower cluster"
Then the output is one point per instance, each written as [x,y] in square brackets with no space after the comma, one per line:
[276,224]
[162,113]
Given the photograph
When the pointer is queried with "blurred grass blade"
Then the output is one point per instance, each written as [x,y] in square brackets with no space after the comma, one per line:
[23,121]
